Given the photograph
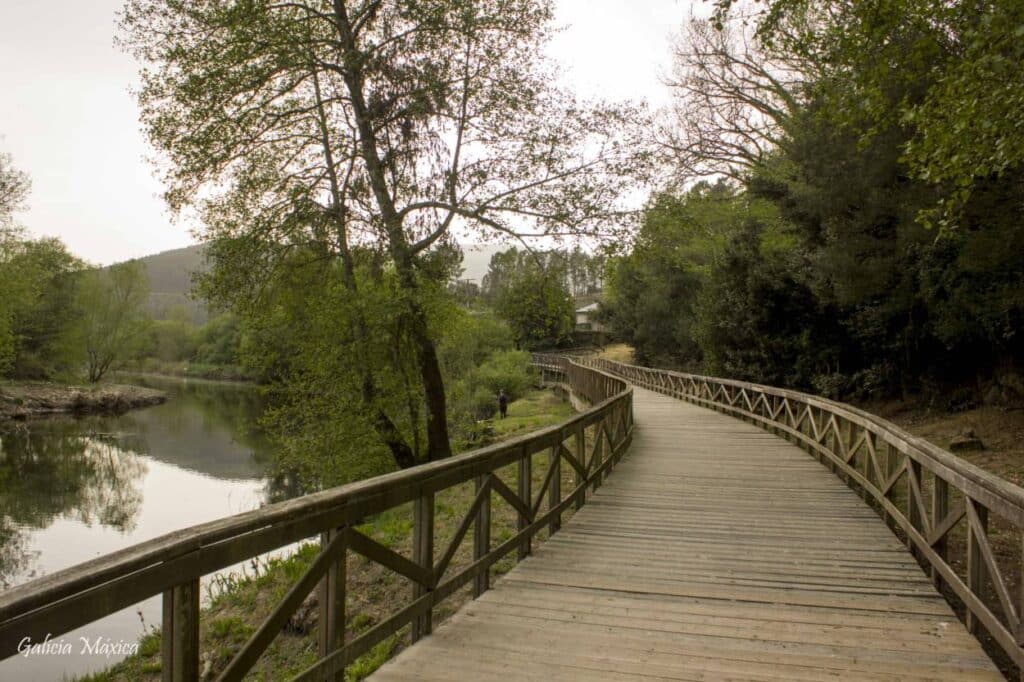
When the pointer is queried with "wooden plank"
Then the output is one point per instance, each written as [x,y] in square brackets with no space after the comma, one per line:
[482,535]
[331,602]
[423,555]
[716,551]
[244,660]
[180,634]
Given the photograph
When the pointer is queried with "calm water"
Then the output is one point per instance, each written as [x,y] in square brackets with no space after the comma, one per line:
[72,490]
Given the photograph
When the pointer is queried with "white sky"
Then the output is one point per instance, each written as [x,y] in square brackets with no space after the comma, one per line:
[68,120]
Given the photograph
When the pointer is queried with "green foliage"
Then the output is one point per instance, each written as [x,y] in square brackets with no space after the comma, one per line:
[469,339]
[531,292]
[109,305]
[303,132]
[38,278]
[14,189]
[818,269]
[946,74]
[219,340]
[476,393]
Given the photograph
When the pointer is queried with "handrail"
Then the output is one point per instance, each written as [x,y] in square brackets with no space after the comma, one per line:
[874,455]
[174,563]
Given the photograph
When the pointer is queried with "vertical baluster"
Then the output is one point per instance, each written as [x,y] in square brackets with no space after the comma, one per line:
[331,621]
[423,554]
[555,487]
[975,567]
[180,638]
[525,485]
[482,540]
[913,511]
[830,445]
[1020,597]
[890,468]
[940,508]
[847,445]
[581,457]
[598,455]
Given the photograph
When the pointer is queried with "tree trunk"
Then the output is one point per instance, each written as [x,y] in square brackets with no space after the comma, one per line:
[438,445]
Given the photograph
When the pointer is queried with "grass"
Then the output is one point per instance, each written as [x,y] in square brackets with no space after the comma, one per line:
[619,352]
[238,604]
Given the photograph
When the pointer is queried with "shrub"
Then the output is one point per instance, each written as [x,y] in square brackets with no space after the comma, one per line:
[508,371]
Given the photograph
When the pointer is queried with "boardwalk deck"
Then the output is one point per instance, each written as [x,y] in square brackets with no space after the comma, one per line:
[715,551]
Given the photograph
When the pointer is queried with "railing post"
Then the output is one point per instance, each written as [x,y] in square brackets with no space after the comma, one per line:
[180,638]
[581,457]
[913,511]
[598,455]
[849,446]
[482,540]
[1019,634]
[555,486]
[524,491]
[975,567]
[940,507]
[423,554]
[890,469]
[331,603]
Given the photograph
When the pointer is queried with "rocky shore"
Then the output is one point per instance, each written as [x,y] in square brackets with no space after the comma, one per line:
[22,401]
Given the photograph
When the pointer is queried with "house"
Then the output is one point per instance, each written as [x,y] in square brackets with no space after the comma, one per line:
[585,318]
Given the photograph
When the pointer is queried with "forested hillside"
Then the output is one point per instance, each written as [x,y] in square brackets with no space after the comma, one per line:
[857,230]
[170,282]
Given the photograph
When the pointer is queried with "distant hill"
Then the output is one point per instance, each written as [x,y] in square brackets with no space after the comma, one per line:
[170,282]
[170,277]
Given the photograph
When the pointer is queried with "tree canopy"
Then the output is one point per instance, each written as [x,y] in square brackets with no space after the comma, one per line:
[864,237]
[316,127]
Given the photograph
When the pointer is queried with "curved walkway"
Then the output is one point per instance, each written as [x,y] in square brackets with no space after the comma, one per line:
[714,551]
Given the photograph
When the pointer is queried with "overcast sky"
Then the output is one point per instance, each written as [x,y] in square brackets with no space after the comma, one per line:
[68,120]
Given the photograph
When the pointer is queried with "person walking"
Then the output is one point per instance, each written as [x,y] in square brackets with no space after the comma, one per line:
[502,403]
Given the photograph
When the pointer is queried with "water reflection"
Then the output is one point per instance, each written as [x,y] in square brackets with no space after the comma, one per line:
[90,470]
[59,471]
[75,489]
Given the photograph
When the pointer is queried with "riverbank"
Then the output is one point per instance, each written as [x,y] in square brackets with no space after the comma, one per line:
[27,400]
[237,606]
[190,370]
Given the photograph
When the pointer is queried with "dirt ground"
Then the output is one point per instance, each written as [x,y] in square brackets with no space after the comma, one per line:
[1000,429]
[22,401]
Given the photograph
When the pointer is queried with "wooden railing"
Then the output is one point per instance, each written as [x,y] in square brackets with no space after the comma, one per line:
[933,497]
[590,442]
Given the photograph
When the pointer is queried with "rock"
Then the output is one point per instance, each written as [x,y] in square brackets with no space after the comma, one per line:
[966,442]
[303,621]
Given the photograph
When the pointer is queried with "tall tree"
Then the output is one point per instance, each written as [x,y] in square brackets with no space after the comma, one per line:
[110,304]
[14,189]
[327,123]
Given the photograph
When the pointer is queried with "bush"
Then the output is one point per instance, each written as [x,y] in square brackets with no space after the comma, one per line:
[508,371]
[481,403]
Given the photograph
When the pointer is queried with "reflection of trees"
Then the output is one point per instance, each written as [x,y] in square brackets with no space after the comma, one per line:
[55,471]
[90,469]
[205,426]
[14,553]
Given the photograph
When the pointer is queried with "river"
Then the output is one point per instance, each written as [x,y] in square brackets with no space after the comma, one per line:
[74,489]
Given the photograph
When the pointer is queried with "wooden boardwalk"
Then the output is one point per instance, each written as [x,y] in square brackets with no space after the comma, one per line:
[714,551]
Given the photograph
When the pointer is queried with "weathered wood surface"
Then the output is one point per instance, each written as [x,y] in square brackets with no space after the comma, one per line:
[716,551]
